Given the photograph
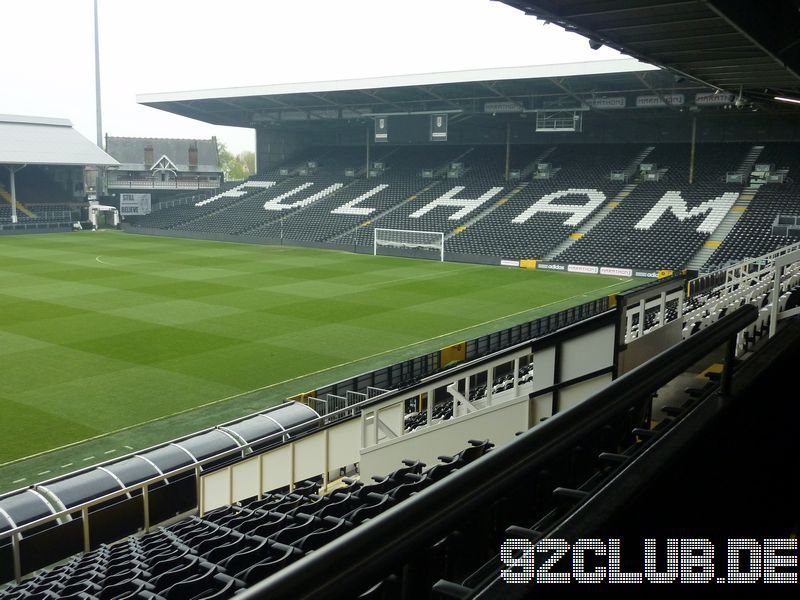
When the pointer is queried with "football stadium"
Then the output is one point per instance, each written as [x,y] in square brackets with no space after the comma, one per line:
[455,333]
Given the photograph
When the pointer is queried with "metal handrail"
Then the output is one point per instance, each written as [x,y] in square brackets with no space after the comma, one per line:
[365,554]
[744,263]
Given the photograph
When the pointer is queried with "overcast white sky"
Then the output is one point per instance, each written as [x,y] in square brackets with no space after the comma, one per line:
[170,45]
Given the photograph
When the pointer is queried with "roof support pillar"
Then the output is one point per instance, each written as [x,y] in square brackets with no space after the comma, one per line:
[691,153]
[366,129]
[508,149]
[12,184]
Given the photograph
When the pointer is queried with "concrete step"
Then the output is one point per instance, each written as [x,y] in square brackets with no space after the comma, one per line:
[718,236]
[382,214]
[592,222]
[530,168]
[486,212]
[638,159]
[700,258]
[746,166]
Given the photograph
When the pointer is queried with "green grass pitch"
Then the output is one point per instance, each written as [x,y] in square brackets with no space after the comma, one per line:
[101,331]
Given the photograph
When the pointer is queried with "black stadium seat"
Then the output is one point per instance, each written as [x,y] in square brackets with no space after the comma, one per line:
[215,555]
[326,206]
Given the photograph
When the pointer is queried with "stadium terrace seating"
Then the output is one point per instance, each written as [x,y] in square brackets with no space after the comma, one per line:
[330,218]
[582,168]
[712,161]
[666,242]
[40,198]
[269,223]
[219,553]
[241,210]
[176,216]
[327,206]
[231,216]
[663,241]
[752,235]
[5,214]
[444,410]
[785,157]
[35,185]
[50,212]
[481,179]
[703,310]
[182,217]
[43,213]
[499,235]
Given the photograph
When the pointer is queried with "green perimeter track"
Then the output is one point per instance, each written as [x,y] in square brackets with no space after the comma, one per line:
[111,342]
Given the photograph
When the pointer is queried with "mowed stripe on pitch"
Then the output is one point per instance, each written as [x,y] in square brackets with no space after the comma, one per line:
[164,324]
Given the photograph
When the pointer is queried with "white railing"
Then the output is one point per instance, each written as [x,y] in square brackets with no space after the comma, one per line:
[702,300]
[766,282]
[152,184]
[58,517]
[176,202]
[735,275]
[653,313]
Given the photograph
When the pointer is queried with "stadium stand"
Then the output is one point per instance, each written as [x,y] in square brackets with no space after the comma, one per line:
[249,214]
[217,554]
[752,235]
[39,198]
[35,185]
[480,182]
[655,220]
[544,484]
[266,219]
[509,232]
[636,237]
[335,216]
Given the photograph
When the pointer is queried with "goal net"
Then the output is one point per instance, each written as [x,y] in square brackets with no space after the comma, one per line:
[406,242]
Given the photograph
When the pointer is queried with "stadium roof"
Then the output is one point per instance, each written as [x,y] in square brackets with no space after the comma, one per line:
[731,45]
[456,92]
[46,141]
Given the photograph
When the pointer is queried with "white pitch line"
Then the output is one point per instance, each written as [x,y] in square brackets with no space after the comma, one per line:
[128,447]
[66,465]
[311,374]
[109,452]
[88,458]
[44,472]
[19,480]
[101,261]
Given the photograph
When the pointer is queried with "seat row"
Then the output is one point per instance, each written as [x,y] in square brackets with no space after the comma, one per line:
[219,553]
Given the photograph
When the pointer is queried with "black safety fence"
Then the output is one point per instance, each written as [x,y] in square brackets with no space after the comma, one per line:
[409,372]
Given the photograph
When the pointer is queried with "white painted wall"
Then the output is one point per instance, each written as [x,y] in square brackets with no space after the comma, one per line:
[498,423]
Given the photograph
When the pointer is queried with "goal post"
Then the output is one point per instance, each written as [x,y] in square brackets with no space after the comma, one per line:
[408,242]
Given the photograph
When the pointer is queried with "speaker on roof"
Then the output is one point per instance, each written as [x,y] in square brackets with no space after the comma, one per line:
[439,128]
[381,129]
